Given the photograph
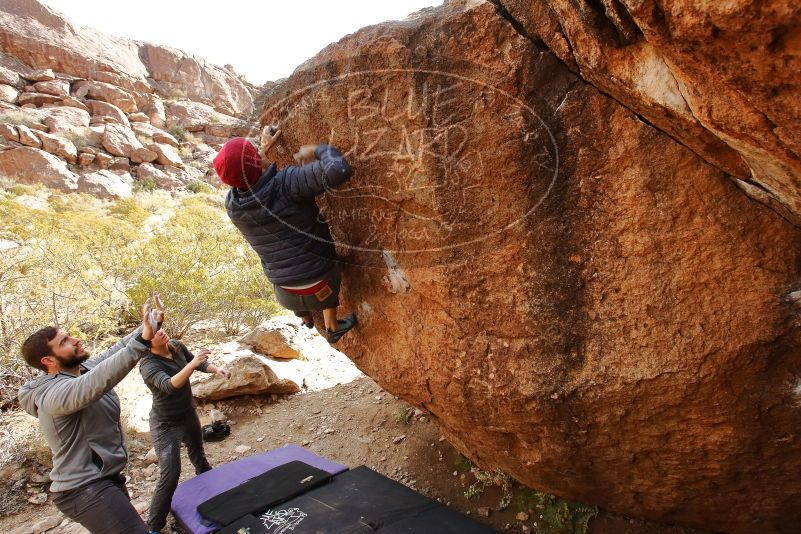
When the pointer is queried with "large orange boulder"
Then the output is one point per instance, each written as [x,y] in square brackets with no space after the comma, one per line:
[721,77]
[578,298]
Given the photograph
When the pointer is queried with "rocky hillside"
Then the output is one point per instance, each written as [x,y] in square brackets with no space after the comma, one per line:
[84,111]
[549,250]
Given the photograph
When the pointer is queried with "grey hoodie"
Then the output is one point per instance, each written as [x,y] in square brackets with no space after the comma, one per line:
[80,415]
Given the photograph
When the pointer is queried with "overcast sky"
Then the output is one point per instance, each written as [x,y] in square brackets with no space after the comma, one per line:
[264,40]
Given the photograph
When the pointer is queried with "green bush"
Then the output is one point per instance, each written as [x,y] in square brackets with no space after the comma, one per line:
[87,266]
[73,202]
[196,186]
[554,515]
[128,210]
[203,269]
[22,189]
[485,479]
[403,415]
[144,184]
[178,132]
[63,272]
[551,514]
[146,140]
[462,462]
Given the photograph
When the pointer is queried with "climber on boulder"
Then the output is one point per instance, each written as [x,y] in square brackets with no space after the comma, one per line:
[276,213]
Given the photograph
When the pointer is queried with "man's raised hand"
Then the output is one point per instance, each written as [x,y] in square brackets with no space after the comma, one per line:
[306,154]
[156,300]
[147,329]
[223,372]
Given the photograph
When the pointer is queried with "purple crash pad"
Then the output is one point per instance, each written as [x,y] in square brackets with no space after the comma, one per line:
[189,494]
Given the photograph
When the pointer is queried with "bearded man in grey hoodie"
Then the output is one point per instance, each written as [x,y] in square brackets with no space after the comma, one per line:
[79,415]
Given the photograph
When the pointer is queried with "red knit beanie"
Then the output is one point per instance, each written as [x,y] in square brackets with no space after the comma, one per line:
[238,164]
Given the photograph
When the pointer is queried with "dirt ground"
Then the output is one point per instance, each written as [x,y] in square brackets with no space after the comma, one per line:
[355,424]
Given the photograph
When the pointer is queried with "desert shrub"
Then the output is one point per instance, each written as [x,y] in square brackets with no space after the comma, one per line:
[22,189]
[154,201]
[176,93]
[77,139]
[128,210]
[552,514]
[146,140]
[73,203]
[203,269]
[197,186]
[185,152]
[403,415]
[63,270]
[485,479]
[22,446]
[144,184]
[462,462]
[178,132]
[87,265]
[18,117]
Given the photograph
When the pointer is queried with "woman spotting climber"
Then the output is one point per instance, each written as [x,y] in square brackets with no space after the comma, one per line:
[276,213]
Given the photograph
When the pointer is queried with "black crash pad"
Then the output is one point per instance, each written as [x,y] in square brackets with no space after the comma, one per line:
[262,492]
[361,500]
[245,525]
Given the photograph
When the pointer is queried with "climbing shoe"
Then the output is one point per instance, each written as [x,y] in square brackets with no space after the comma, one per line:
[345,324]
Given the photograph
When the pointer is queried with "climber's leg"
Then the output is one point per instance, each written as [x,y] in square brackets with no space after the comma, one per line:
[330,318]
[342,327]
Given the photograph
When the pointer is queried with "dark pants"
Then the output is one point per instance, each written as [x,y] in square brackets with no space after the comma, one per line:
[102,506]
[167,438]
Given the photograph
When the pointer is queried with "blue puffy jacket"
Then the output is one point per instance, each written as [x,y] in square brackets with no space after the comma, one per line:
[281,221]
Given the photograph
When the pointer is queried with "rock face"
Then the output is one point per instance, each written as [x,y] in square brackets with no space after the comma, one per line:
[195,116]
[27,137]
[722,78]
[67,119]
[167,155]
[8,94]
[162,177]
[177,73]
[120,140]
[58,146]
[33,166]
[105,184]
[44,39]
[81,89]
[579,299]
[105,92]
[103,112]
